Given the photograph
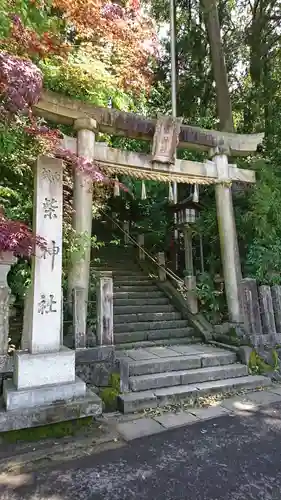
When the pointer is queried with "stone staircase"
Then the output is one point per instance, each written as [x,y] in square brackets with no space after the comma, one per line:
[162,358]
[163,375]
[143,315]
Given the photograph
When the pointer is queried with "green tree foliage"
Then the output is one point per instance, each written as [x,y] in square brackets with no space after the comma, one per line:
[251,42]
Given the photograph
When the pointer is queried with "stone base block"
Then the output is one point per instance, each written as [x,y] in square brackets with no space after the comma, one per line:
[34,370]
[61,411]
[6,363]
[95,365]
[34,396]
[266,340]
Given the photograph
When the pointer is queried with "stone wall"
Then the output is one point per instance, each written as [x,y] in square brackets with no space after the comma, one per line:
[95,365]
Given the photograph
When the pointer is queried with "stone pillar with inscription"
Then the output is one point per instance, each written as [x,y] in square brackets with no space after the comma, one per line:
[227,233]
[45,373]
[82,221]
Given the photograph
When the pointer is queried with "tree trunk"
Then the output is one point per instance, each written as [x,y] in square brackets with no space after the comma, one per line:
[223,101]
[218,65]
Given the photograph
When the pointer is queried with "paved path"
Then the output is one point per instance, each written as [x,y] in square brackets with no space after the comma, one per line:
[227,458]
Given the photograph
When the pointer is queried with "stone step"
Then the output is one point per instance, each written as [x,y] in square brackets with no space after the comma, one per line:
[110,249]
[136,401]
[147,289]
[184,377]
[99,260]
[157,343]
[128,273]
[113,257]
[152,335]
[129,270]
[156,301]
[149,325]
[123,268]
[118,294]
[179,362]
[131,278]
[144,317]
[132,282]
[140,309]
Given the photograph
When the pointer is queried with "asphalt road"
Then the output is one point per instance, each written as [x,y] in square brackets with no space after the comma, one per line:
[228,458]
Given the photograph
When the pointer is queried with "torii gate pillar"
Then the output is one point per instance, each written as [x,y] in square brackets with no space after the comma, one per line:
[227,233]
[82,217]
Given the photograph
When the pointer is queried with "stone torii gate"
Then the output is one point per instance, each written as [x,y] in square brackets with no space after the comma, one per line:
[88,120]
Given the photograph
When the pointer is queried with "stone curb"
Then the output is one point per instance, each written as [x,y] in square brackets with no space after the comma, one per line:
[37,455]
[135,426]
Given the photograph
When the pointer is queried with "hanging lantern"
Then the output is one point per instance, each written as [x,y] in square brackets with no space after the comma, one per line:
[195,197]
[171,193]
[186,212]
[143,190]
[116,187]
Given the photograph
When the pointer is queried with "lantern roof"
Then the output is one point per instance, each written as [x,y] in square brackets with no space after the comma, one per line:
[187,203]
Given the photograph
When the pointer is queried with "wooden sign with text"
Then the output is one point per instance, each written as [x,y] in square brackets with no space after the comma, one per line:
[165,140]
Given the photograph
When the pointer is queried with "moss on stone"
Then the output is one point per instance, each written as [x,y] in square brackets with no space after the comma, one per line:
[57,430]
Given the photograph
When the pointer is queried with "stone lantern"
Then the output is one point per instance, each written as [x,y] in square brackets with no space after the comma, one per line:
[7,259]
[186,213]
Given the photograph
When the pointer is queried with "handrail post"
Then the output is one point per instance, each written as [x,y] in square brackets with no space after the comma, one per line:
[161,261]
[126,229]
[190,283]
[141,245]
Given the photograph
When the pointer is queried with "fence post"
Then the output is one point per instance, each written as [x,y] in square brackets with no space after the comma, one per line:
[141,244]
[276,302]
[105,309]
[79,318]
[267,312]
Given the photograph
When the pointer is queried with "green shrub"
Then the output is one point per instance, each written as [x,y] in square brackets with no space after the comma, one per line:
[110,394]
[109,397]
